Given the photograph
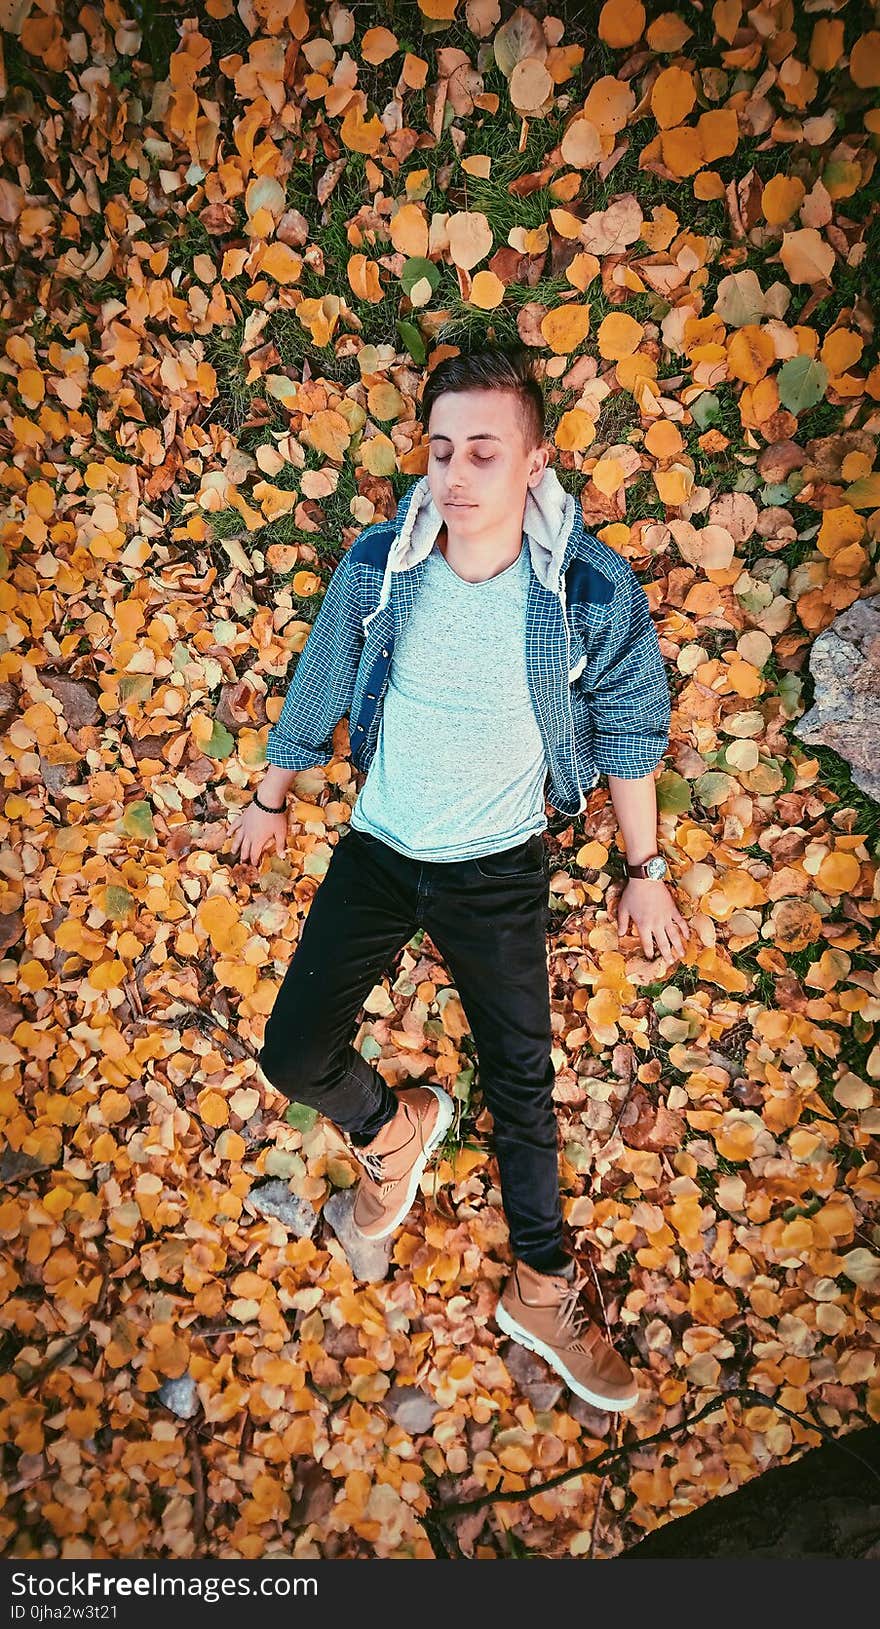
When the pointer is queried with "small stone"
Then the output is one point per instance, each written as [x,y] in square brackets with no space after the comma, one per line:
[367,1258]
[845,715]
[411,1408]
[275,1199]
[180,1396]
[532,1375]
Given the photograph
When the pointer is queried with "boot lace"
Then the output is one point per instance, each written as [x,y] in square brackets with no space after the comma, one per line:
[575,1320]
[373,1165]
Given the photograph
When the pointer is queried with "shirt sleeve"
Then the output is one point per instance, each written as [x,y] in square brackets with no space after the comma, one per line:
[625,685]
[322,687]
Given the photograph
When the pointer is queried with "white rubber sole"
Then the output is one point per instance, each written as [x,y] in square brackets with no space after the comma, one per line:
[444,1120]
[611,1405]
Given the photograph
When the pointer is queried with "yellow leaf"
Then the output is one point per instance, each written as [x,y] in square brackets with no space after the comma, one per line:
[806,256]
[487,291]
[674,485]
[409,231]
[619,335]
[782,197]
[566,327]
[621,23]
[575,430]
[840,350]
[750,353]
[664,439]
[673,94]
[281,263]
[470,238]
[864,61]
[838,873]
[581,143]
[608,475]
[213,1108]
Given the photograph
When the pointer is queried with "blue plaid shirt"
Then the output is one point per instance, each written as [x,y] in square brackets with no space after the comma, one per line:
[596,675]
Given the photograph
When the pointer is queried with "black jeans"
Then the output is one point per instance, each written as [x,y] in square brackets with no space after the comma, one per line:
[488,918]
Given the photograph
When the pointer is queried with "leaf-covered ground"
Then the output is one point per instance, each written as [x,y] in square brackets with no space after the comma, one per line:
[234,240]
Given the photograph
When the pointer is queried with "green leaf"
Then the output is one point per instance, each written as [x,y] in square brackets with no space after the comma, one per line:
[673,793]
[413,341]
[135,687]
[339,1173]
[137,820]
[706,409]
[713,788]
[864,493]
[221,743]
[801,381]
[790,687]
[280,387]
[415,269]
[300,1116]
[118,902]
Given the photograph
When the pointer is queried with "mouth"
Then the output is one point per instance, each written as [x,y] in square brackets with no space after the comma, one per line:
[461,506]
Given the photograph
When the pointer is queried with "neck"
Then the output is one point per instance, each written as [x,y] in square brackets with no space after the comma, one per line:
[475,560]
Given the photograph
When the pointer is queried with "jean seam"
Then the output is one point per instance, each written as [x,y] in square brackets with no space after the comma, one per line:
[368,1086]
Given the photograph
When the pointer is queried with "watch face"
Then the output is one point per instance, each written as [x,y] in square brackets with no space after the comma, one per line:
[656,867]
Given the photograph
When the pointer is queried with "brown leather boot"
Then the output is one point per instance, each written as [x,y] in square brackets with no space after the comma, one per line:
[541,1311]
[394,1161]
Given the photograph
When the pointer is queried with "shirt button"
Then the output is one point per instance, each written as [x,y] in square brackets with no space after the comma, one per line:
[370,696]
[384,653]
[360,727]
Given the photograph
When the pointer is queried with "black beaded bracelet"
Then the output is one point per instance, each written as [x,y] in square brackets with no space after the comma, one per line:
[265,807]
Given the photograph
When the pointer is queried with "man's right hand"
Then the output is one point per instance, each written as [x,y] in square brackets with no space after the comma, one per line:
[255,831]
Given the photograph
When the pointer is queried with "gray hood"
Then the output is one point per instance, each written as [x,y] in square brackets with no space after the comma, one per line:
[549,522]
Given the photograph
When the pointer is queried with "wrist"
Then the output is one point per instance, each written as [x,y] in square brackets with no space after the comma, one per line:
[275,785]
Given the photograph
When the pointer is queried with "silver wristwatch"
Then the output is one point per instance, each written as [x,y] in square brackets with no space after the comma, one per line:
[655,868]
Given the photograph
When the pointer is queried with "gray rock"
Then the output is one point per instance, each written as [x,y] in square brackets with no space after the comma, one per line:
[180,1396]
[367,1258]
[276,1199]
[845,716]
[535,1378]
[411,1408]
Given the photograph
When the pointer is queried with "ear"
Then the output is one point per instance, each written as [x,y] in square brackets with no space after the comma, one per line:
[541,459]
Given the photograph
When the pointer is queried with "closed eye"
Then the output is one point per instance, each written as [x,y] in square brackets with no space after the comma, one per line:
[489,460]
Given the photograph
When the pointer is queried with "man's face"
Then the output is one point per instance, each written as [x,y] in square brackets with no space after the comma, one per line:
[479,471]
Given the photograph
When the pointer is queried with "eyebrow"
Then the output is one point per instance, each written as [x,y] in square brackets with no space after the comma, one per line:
[486,437]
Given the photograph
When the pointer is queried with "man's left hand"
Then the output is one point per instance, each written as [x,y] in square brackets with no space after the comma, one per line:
[652,909]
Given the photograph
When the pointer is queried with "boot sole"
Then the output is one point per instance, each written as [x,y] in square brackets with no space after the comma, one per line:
[610,1405]
[444,1120]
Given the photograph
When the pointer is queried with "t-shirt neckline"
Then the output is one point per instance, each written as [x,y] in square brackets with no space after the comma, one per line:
[483,581]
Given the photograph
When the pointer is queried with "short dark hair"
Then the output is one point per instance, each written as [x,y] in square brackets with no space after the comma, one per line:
[491,367]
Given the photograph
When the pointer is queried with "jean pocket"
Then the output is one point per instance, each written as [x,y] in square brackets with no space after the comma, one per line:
[526,860]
